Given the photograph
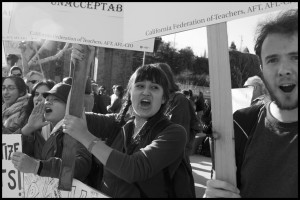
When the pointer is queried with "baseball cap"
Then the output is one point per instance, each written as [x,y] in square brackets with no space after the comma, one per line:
[60,90]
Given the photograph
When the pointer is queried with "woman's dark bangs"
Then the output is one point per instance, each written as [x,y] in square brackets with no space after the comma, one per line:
[150,74]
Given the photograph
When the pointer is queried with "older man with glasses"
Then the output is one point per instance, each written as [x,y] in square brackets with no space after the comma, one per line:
[32,78]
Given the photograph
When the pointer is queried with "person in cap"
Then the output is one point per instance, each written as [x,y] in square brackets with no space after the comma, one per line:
[44,158]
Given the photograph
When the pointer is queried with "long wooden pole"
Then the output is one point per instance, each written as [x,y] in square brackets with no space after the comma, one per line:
[76,102]
[221,101]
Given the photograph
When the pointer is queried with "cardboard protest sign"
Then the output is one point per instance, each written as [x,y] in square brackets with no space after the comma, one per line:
[12,179]
[46,187]
[172,17]
[90,23]
[16,184]
[241,98]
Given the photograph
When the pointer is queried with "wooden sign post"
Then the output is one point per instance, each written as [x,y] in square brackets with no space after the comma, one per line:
[76,103]
[220,89]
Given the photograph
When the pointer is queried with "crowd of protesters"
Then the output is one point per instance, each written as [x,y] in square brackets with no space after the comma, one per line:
[150,125]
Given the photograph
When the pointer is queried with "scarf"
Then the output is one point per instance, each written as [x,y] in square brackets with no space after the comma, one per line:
[13,116]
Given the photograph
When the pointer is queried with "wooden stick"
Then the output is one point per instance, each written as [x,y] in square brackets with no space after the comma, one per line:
[221,101]
[76,101]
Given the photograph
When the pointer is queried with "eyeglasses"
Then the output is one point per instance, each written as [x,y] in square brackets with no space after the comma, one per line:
[8,88]
[32,81]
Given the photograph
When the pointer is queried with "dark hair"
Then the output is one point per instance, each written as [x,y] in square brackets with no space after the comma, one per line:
[49,83]
[15,68]
[20,84]
[121,90]
[13,58]
[191,93]
[173,87]
[286,23]
[146,72]
[186,92]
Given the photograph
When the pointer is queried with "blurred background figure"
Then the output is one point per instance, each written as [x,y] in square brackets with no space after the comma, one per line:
[16,71]
[99,105]
[11,61]
[103,92]
[32,78]
[116,99]
[259,89]
[188,96]
[199,102]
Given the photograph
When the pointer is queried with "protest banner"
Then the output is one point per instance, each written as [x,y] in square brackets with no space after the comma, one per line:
[12,179]
[89,23]
[6,17]
[174,17]
[46,187]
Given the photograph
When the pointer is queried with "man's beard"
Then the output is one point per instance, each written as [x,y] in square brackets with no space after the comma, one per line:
[276,100]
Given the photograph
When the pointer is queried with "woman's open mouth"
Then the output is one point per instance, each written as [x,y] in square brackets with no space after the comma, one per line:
[48,110]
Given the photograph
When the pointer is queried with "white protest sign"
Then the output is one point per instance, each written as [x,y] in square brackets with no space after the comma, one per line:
[6,17]
[89,23]
[12,179]
[46,187]
[241,98]
[164,18]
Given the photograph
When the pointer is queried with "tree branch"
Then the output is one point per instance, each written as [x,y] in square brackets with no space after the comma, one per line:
[50,58]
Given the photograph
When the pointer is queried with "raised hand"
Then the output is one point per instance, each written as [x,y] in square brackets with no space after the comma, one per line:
[36,118]
[80,53]
[75,127]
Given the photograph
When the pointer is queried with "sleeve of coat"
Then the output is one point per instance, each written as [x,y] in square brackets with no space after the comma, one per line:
[51,167]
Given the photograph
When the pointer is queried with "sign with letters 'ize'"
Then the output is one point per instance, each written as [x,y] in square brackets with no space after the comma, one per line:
[12,179]
[16,184]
